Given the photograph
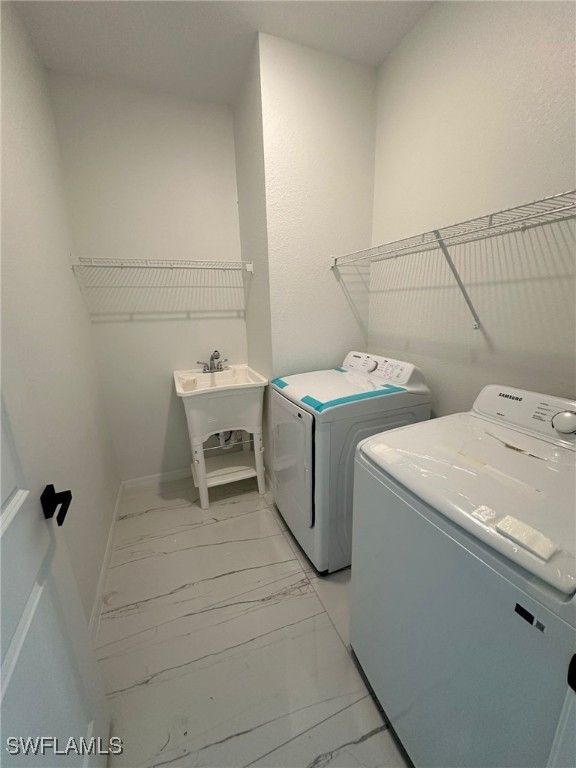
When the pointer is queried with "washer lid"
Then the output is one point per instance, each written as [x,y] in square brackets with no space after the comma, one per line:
[324,390]
[512,490]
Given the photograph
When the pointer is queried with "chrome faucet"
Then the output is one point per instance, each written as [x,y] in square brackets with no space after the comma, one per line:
[215,363]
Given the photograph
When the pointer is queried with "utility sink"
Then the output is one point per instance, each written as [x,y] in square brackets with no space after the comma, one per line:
[217,402]
[190,383]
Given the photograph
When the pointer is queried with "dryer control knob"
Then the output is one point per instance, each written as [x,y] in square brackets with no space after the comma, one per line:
[371,365]
[565,422]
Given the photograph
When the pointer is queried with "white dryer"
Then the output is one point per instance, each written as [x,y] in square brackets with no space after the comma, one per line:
[317,420]
[463,604]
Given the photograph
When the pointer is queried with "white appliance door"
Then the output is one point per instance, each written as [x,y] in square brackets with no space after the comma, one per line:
[292,461]
[471,671]
[50,684]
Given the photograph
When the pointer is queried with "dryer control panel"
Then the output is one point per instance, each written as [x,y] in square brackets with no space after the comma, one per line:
[386,368]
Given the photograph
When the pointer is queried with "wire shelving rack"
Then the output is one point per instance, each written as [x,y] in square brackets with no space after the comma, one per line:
[548,210]
[88,266]
[144,286]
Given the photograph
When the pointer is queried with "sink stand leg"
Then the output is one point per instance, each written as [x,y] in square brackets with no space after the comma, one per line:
[200,466]
[259,458]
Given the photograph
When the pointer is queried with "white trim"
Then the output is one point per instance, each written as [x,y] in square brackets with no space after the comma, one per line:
[97,605]
[19,636]
[139,484]
[9,513]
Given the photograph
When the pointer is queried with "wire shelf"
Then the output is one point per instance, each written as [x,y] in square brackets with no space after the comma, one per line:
[138,287]
[540,212]
[88,264]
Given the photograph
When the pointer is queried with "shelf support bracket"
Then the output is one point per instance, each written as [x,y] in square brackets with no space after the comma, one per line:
[458,279]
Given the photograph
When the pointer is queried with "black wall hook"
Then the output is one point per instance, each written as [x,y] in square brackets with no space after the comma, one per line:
[51,500]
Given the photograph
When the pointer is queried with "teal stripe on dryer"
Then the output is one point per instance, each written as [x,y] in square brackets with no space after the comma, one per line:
[312,402]
[386,389]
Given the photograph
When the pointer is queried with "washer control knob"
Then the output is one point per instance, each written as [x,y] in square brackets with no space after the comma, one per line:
[371,365]
[565,422]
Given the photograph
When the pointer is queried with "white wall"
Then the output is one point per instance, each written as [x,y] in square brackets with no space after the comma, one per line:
[318,121]
[149,175]
[249,144]
[476,113]
[50,378]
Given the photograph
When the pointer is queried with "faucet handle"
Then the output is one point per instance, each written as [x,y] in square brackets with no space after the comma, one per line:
[220,366]
[205,366]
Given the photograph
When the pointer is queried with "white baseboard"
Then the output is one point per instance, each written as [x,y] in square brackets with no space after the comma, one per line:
[97,606]
[127,488]
[152,482]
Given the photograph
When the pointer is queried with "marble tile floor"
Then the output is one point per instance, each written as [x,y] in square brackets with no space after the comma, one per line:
[221,647]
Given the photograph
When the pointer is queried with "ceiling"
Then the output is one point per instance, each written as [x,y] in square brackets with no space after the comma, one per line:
[200,48]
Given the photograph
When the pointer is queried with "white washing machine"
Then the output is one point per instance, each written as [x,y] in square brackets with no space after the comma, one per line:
[463,606]
[317,420]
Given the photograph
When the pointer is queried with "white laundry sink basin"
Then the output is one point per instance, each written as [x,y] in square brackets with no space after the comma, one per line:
[221,401]
[192,383]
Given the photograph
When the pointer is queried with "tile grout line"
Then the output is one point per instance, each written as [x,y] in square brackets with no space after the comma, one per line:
[331,620]
[315,590]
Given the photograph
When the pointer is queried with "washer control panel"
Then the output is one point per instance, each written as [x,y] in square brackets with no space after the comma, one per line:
[393,371]
[552,417]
